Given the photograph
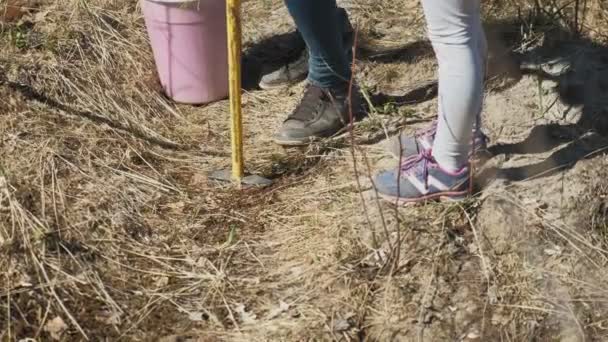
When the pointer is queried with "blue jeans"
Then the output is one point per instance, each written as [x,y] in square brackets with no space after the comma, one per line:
[324,28]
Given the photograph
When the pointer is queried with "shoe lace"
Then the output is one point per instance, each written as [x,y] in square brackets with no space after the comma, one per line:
[313,99]
[417,163]
[428,131]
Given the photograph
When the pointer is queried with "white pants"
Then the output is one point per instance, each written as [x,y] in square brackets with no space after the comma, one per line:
[457,36]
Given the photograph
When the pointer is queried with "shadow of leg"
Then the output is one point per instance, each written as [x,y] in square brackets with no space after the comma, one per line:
[541,139]
[417,94]
[588,146]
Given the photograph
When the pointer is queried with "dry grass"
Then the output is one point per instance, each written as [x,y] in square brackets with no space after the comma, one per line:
[109,227]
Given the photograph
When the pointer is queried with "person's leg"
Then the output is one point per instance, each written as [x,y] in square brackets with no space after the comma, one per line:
[324,110]
[297,70]
[319,22]
[442,171]
[458,38]
[455,30]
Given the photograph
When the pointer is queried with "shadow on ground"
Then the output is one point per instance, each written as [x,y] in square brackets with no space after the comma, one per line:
[275,51]
[579,68]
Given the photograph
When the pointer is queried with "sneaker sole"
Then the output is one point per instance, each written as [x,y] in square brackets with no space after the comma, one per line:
[295,143]
[450,196]
[310,140]
[342,132]
[268,86]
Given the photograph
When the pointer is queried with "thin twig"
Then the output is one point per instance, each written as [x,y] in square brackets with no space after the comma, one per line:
[352,135]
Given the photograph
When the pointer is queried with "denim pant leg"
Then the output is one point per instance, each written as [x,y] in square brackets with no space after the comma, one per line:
[321,24]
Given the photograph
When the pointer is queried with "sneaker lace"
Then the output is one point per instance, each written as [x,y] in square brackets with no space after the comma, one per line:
[416,163]
[310,104]
[428,131]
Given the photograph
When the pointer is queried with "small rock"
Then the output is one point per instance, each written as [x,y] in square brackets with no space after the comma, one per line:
[196,316]
[246,317]
[56,327]
[473,335]
[341,325]
[162,282]
[283,307]
[553,251]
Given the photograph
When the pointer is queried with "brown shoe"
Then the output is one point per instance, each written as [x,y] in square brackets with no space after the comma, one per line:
[290,73]
[322,113]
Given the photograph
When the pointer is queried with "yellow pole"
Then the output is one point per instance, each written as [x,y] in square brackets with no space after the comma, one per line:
[233,16]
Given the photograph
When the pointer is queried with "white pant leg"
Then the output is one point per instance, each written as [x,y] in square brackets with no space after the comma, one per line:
[457,36]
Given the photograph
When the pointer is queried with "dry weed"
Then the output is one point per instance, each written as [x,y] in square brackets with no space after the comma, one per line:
[109,227]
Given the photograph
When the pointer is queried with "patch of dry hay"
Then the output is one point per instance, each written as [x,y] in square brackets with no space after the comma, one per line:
[109,227]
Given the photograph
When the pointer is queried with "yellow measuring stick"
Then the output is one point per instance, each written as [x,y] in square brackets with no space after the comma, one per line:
[233,16]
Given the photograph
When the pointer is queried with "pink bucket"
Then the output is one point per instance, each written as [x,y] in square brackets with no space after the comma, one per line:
[189,42]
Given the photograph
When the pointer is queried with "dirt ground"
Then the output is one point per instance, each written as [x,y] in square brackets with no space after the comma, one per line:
[111,230]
